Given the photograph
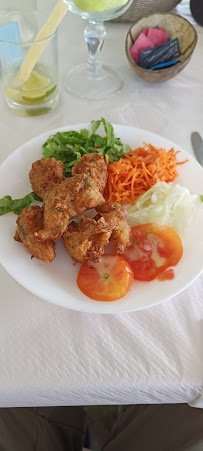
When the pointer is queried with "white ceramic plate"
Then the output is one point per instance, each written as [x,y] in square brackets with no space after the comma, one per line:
[56,282]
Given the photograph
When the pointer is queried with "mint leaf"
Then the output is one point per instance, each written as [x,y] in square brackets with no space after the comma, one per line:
[201,197]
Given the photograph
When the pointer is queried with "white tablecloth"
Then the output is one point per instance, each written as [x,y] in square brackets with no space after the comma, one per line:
[53,356]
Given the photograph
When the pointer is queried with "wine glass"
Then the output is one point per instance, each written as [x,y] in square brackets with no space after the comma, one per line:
[93,80]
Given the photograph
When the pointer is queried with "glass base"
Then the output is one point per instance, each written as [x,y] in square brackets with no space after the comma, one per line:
[34,109]
[80,82]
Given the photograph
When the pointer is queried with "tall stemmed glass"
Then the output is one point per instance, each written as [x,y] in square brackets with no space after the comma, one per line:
[94,80]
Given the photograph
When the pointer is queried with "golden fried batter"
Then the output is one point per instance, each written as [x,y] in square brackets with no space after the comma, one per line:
[28,222]
[45,174]
[86,240]
[94,163]
[73,196]
[65,201]
[117,218]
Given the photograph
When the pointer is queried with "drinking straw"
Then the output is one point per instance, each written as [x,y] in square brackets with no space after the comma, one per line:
[36,51]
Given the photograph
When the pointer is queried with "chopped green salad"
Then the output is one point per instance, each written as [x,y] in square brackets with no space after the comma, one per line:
[70,146]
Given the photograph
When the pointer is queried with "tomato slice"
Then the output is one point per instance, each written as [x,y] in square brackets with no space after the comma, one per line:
[108,280]
[154,247]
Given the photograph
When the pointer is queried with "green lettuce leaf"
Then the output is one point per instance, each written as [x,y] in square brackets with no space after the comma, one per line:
[7,204]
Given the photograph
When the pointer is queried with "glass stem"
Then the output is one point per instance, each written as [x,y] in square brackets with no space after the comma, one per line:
[95,34]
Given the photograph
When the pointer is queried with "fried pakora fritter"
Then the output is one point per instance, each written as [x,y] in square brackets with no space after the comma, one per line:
[66,201]
[73,196]
[94,163]
[117,218]
[28,222]
[86,240]
[45,174]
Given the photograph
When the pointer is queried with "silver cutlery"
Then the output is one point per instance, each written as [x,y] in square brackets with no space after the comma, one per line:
[197,144]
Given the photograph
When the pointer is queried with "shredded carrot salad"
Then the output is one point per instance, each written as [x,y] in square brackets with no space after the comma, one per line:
[138,171]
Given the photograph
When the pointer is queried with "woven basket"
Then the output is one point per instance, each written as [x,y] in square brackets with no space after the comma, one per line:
[142,8]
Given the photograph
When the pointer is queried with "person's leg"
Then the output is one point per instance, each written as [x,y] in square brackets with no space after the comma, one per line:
[168,427]
[42,428]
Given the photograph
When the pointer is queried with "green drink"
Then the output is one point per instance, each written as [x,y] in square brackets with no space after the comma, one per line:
[98,6]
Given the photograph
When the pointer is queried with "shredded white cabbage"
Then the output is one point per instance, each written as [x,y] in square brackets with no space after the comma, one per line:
[166,203]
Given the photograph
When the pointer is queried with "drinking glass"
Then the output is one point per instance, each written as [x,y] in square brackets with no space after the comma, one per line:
[94,80]
[39,93]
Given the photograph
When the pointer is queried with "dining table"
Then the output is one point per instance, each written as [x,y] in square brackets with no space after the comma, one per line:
[54,356]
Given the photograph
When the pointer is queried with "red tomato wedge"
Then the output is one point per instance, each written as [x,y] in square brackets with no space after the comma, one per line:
[108,280]
[154,247]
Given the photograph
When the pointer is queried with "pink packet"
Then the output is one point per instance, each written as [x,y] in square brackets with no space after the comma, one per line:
[157,35]
[141,43]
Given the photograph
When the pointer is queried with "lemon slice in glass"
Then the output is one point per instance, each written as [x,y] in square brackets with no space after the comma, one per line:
[37,87]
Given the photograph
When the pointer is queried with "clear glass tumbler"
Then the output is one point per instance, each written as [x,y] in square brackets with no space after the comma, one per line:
[36,92]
